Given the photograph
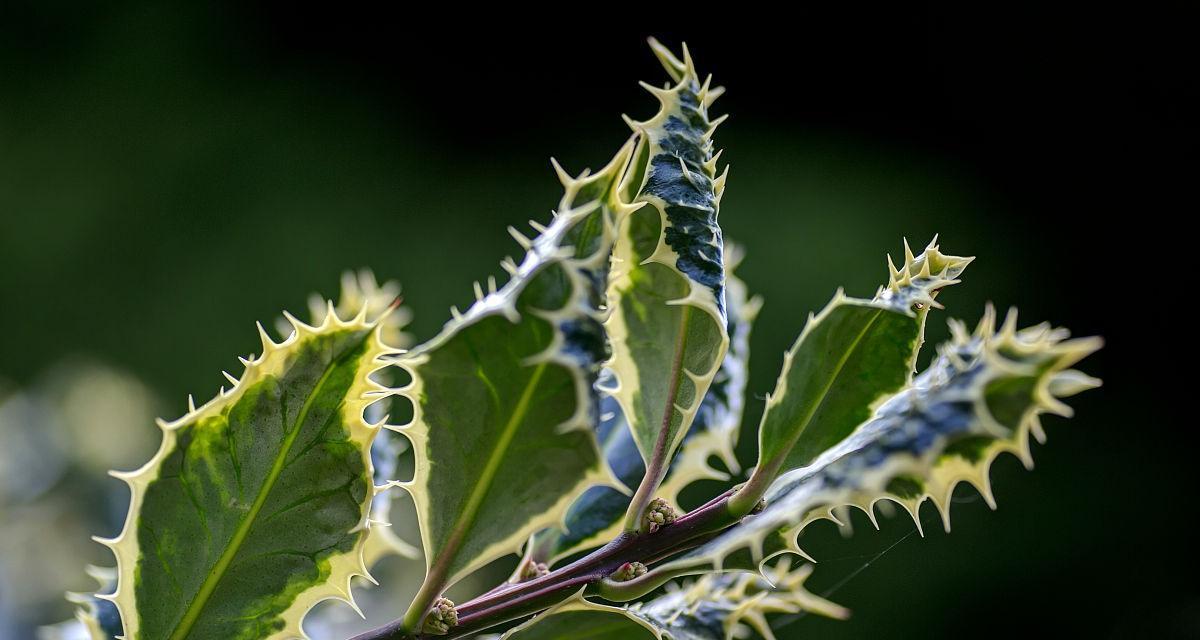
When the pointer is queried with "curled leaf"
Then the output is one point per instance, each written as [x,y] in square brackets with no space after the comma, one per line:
[847,359]
[981,397]
[668,324]
[596,516]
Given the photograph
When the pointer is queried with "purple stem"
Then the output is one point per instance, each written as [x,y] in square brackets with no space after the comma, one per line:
[513,601]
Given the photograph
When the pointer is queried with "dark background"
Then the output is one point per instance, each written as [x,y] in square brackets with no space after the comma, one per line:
[170,175]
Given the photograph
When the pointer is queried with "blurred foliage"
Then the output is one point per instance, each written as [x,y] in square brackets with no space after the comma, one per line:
[168,176]
[58,438]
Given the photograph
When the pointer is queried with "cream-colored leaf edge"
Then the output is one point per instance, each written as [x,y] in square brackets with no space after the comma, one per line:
[364,391]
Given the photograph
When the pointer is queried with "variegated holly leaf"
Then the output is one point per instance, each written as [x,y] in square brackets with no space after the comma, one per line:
[718,423]
[504,397]
[981,397]
[716,607]
[668,324]
[360,291]
[383,541]
[848,358]
[596,516]
[257,504]
[95,618]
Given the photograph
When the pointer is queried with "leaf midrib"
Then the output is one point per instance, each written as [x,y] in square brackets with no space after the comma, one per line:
[239,536]
[662,442]
[656,463]
[475,500]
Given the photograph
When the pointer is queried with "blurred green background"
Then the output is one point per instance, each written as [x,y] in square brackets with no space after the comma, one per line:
[169,175]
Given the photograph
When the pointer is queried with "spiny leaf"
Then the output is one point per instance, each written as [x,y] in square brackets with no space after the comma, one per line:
[981,397]
[596,517]
[668,326]
[383,541]
[379,301]
[504,400]
[361,291]
[715,607]
[719,420]
[95,618]
[256,505]
[849,357]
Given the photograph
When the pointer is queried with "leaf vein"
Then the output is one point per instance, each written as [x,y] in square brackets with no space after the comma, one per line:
[183,628]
